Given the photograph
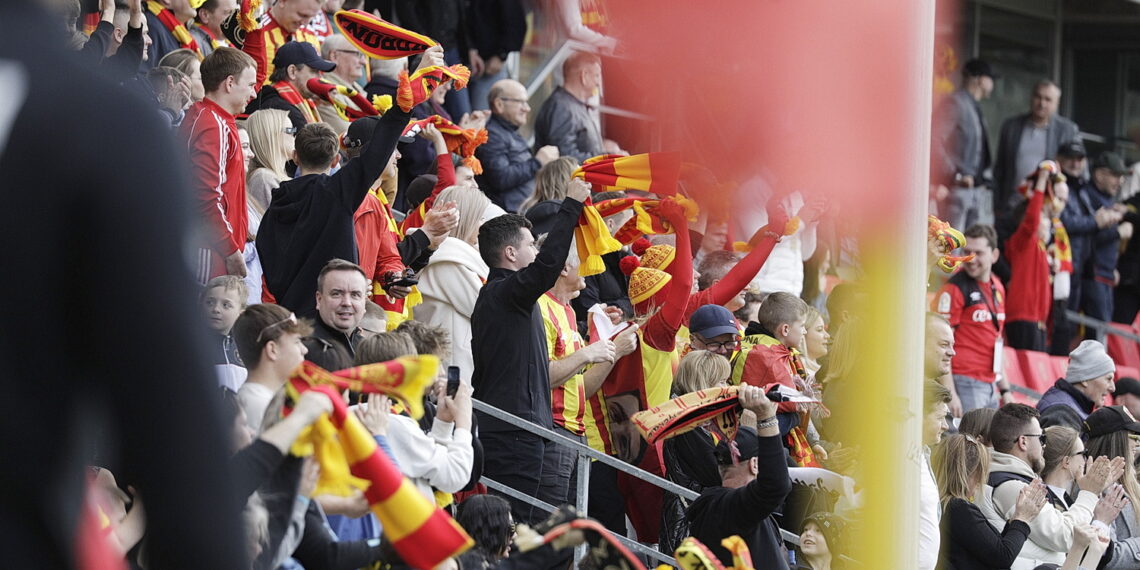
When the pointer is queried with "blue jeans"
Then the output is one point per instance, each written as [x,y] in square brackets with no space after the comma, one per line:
[974,394]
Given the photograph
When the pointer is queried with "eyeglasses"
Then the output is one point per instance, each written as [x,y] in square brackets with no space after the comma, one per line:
[1135,439]
[353,53]
[291,319]
[290,130]
[728,345]
[510,100]
[1040,435]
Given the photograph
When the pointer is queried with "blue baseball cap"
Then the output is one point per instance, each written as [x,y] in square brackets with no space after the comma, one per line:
[712,320]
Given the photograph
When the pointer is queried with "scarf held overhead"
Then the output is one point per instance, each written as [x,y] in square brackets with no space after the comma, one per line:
[421,533]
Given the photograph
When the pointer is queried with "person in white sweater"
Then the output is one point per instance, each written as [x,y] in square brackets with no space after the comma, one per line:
[442,458]
[1017,460]
[454,274]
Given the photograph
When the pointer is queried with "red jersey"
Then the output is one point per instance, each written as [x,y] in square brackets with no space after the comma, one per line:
[976,310]
[262,43]
[217,178]
[1027,255]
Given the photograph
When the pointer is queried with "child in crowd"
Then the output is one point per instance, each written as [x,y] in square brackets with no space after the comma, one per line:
[223,299]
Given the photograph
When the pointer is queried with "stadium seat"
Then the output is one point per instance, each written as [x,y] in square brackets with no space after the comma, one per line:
[1011,369]
[1123,350]
[1127,372]
[1037,370]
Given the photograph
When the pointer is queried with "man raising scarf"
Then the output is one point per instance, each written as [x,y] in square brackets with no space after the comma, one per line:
[294,65]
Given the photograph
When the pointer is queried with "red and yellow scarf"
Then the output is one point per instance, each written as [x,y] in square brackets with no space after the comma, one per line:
[176,28]
[295,99]
[423,534]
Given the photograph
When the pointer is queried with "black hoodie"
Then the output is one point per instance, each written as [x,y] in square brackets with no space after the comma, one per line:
[309,220]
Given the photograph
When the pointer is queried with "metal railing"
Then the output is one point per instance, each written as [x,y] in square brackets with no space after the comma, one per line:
[582,492]
[1102,328]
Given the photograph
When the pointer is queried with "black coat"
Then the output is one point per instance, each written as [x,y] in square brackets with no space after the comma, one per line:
[508,335]
[747,511]
[310,220]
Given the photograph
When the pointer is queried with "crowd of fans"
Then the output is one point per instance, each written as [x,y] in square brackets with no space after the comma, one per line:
[349,241]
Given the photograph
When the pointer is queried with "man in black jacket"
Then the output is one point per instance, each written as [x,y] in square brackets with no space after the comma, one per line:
[509,342]
[508,165]
[309,220]
[754,487]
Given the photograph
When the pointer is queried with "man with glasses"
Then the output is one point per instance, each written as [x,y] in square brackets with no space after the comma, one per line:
[349,69]
[1017,460]
[713,328]
[508,165]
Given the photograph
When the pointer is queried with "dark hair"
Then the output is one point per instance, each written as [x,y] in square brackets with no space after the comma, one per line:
[316,145]
[933,394]
[984,231]
[487,519]
[427,338]
[1009,425]
[843,297]
[222,63]
[337,264]
[976,423]
[259,324]
[498,233]
[714,267]
[328,355]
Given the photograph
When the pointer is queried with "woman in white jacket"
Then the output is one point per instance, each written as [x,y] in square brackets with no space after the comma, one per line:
[451,281]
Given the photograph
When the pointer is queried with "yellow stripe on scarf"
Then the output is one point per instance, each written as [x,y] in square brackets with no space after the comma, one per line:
[594,241]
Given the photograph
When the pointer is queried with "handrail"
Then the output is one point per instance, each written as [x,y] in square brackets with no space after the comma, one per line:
[584,450]
[631,544]
[1099,325]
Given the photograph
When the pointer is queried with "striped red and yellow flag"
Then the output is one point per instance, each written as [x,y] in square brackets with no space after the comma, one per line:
[423,534]
[404,379]
[655,172]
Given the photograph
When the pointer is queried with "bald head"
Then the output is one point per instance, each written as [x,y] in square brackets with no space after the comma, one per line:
[508,100]
[335,42]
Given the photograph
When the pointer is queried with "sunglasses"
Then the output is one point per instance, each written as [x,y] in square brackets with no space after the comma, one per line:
[290,319]
[1040,435]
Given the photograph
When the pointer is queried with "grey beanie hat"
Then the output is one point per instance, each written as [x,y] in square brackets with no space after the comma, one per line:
[1087,362]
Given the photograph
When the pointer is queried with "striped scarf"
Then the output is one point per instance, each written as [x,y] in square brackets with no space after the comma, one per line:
[692,555]
[1062,250]
[291,96]
[421,533]
[176,28]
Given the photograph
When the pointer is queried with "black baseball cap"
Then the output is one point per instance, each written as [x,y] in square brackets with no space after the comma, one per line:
[360,131]
[1127,386]
[1111,161]
[1110,419]
[301,53]
[747,444]
[1073,149]
[978,68]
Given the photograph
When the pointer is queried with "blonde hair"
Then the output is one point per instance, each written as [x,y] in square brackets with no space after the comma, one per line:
[700,370]
[551,182]
[810,315]
[471,203]
[1061,440]
[265,128]
[181,59]
[843,355]
[961,464]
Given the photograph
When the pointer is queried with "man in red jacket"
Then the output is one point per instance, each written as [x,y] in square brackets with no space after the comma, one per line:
[216,162]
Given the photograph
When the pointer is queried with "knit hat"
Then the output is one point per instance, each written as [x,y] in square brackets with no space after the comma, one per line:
[644,282]
[654,256]
[1108,420]
[1087,362]
[833,528]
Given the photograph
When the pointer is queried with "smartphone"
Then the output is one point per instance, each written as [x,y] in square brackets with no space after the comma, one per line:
[405,282]
[452,380]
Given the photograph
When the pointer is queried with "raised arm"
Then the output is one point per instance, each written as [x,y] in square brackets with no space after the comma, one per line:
[676,300]
[537,278]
